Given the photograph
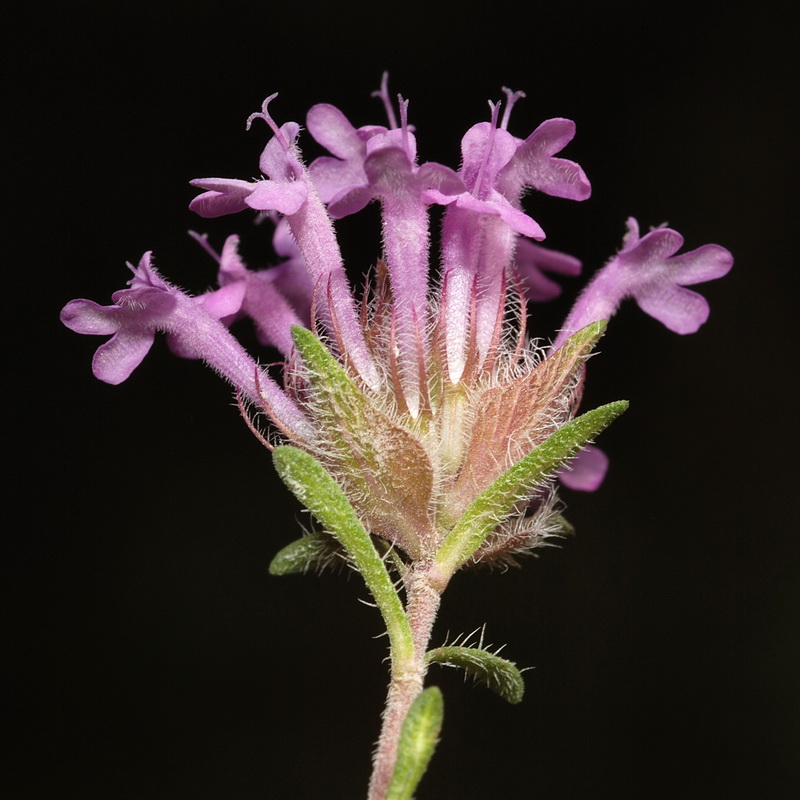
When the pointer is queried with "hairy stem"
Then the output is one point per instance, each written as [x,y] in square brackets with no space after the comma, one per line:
[406,678]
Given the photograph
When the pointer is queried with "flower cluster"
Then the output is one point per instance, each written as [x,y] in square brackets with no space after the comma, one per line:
[429,391]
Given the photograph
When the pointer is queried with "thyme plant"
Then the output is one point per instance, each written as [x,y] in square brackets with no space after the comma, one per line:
[414,419]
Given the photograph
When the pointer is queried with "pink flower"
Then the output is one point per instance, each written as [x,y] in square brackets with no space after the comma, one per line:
[647,269]
[149,305]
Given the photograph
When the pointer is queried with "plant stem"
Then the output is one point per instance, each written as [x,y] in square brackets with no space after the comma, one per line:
[406,678]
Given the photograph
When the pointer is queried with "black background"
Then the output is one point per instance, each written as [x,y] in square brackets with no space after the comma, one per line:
[156,658]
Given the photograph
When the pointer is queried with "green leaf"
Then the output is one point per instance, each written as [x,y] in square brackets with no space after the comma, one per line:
[418,740]
[492,506]
[498,674]
[383,466]
[513,418]
[312,551]
[316,489]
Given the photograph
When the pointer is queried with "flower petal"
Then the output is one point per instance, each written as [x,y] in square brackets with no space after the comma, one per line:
[277,160]
[86,316]
[115,360]
[706,263]
[534,165]
[285,197]
[331,128]
[587,471]
[223,196]
[681,310]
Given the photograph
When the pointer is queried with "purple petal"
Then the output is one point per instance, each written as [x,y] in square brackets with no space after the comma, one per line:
[531,260]
[437,177]
[331,128]
[704,264]
[285,197]
[475,157]
[681,310]
[223,196]
[231,266]
[552,136]
[115,360]
[543,258]
[397,139]
[332,177]
[283,242]
[538,288]
[586,471]
[350,201]
[86,316]
[498,206]
[388,170]
[435,197]
[534,165]
[657,245]
[223,185]
[223,302]
[278,161]
[646,270]
[519,221]
[144,306]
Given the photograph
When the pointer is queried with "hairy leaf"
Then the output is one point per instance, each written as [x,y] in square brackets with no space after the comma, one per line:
[313,551]
[495,504]
[385,468]
[314,487]
[515,538]
[498,674]
[418,740]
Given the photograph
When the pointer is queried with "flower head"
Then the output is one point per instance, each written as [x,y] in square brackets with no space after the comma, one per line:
[443,424]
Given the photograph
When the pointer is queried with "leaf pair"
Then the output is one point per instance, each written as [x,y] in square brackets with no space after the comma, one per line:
[420,733]
[386,473]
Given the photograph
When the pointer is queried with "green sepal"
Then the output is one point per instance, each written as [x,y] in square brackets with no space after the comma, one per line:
[498,674]
[317,490]
[314,551]
[562,526]
[418,740]
[494,505]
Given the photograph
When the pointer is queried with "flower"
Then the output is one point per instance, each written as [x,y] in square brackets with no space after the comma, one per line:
[647,269]
[150,304]
[479,234]
[381,164]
